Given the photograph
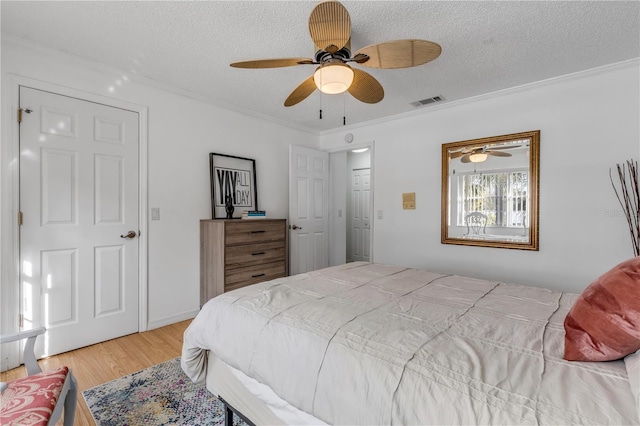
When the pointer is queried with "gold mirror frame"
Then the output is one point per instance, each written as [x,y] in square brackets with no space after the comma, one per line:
[466,148]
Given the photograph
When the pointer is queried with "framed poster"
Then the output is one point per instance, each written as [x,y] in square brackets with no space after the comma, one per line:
[233,177]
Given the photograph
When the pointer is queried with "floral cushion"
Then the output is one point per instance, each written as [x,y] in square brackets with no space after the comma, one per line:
[31,400]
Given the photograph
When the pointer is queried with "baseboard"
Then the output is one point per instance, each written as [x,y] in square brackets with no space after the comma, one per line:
[172,319]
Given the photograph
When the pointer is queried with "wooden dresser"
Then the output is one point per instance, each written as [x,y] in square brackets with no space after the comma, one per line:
[238,252]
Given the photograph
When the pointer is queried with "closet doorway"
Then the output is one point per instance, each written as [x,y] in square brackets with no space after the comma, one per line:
[359,207]
[351,221]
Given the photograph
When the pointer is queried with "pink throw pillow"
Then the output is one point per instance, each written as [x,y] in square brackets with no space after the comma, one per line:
[604,323]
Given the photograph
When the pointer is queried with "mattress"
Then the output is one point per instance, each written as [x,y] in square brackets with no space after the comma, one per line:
[378,344]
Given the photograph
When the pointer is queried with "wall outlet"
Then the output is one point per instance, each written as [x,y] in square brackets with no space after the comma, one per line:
[155,213]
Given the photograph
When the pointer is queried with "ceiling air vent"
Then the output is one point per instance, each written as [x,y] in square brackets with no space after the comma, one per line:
[427,101]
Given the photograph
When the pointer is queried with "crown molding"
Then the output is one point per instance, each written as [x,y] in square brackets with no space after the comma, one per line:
[630,63]
[100,67]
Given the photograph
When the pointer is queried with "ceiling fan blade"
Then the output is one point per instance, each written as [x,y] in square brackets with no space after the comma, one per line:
[456,154]
[498,153]
[365,87]
[466,158]
[504,147]
[301,92]
[400,53]
[360,58]
[471,149]
[271,63]
[330,26]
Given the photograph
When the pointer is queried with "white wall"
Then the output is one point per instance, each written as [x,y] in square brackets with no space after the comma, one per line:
[588,123]
[182,132]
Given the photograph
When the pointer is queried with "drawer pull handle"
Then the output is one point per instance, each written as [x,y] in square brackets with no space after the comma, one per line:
[257,254]
[257,275]
[257,232]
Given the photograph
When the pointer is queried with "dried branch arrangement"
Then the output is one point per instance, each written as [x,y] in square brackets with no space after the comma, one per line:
[628,194]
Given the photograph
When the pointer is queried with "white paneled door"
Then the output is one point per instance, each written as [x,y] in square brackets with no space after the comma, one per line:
[308,209]
[79,204]
[359,220]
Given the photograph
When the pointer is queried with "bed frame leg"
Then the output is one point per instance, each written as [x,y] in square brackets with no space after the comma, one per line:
[229,411]
[228,416]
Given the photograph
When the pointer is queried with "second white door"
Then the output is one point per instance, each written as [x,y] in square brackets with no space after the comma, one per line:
[79,201]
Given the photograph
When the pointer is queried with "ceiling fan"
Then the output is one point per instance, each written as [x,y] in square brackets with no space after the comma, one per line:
[478,154]
[330,29]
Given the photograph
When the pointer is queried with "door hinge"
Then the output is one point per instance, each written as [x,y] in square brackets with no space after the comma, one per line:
[21,320]
[19,218]
[20,110]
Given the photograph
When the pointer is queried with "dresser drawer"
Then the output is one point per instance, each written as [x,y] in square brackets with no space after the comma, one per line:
[237,278]
[236,253]
[254,254]
[254,231]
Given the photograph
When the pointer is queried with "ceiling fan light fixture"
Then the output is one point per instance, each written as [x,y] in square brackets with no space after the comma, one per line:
[478,157]
[333,78]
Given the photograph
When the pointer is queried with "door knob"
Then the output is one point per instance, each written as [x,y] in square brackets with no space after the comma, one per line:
[130,234]
[294,227]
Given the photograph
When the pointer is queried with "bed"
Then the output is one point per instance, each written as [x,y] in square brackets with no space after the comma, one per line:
[366,343]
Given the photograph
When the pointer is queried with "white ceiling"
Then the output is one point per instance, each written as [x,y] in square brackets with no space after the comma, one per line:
[486,46]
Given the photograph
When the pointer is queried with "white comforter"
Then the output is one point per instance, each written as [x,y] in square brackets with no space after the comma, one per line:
[375,344]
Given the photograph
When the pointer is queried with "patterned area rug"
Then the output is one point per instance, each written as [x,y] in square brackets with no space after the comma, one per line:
[158,395]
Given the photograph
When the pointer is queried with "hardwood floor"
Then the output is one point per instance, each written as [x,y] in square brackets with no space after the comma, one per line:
[110,360]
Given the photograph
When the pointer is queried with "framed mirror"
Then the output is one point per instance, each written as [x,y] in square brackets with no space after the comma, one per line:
[490,191]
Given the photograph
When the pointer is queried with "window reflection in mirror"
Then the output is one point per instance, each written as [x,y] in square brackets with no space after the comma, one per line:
[490,191]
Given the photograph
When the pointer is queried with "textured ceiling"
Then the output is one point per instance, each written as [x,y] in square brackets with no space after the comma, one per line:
[486,46]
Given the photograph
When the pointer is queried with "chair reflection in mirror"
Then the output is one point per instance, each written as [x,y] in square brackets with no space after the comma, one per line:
[476,222]
[523,223]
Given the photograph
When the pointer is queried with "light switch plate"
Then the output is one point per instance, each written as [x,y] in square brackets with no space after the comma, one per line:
[155,213]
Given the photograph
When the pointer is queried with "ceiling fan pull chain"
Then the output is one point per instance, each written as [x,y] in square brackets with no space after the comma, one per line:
[344,109]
